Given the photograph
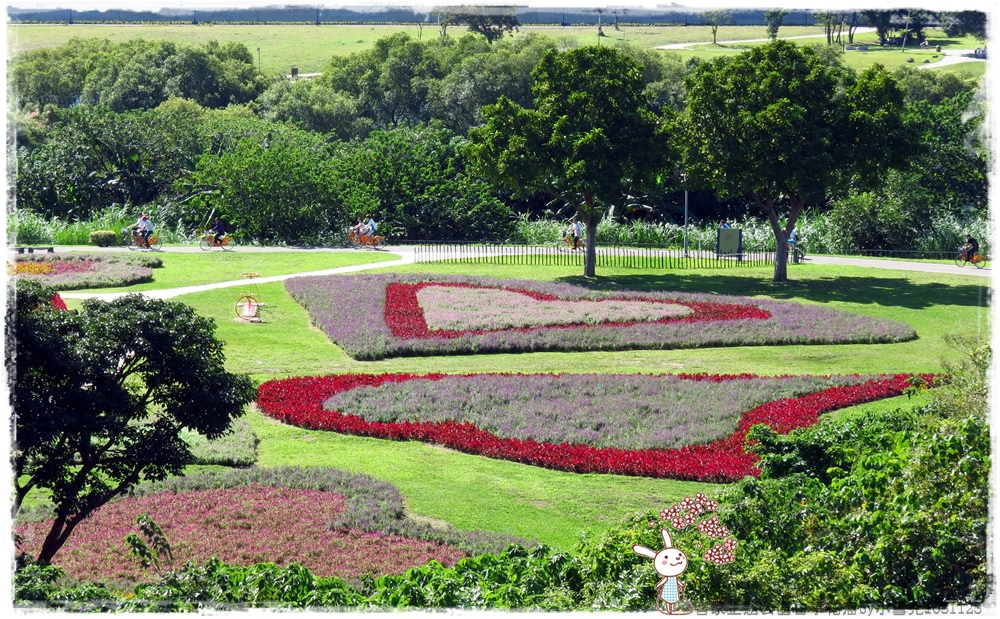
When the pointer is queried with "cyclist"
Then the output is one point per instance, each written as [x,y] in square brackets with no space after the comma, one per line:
[577,232]
[971,247]
[371,227]
[793,238]
[219,229]
[358,228]
[145,228]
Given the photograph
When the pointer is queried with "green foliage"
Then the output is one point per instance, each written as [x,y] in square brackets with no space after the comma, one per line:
[216,585]
[266,180]
[127,375]
[36,583]
[883,510]
[774,18]
[313,105]
[104,238]
[135,74]
[152,546]
[481,78]
[92,158]
[237,447]
[808,130]
[415,182]
[589,139]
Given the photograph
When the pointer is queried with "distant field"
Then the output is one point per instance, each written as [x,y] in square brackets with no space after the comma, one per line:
[309,47]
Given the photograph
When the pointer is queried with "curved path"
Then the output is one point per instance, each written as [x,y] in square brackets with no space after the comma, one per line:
[405,255]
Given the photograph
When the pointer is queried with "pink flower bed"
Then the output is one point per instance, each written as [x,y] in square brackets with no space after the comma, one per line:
[406,316]
[243,525]
[375,316]
[299,401]
[74,271]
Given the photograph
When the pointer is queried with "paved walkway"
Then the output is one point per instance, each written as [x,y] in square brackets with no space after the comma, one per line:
[402,255]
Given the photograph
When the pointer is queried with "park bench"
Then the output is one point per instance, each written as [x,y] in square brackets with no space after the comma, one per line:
[32,250]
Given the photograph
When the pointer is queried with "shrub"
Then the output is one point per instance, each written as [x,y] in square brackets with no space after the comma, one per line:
[103,238]
[238,447]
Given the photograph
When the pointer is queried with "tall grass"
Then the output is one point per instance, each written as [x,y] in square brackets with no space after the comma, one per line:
[815,230]
[27,227]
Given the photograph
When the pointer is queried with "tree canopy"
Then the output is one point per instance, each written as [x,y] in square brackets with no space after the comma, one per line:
[101,396]
[490,21]
[590,137]
[781,127]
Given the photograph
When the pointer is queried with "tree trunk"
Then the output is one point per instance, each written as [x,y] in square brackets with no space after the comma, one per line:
[781,234]
[590,255]
[57,536]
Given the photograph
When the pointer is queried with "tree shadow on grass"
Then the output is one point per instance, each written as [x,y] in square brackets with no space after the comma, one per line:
[884,291]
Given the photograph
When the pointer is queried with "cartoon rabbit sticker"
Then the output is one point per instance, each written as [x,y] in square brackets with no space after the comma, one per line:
[669,563]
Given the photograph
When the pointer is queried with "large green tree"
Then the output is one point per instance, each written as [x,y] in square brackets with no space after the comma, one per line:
[416,183]
[779,126]
[92,157]
[100,396]
[267,180]
[590,138]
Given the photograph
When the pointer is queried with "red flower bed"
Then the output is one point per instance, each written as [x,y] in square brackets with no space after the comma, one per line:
[299,401]
[405,317]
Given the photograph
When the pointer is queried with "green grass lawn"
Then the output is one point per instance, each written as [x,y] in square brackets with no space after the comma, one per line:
[477,493]
[890,57]
[191,269]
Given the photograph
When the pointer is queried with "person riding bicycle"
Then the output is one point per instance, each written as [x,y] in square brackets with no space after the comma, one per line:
[219,229]
[793,239]
[357,229]
[370,227]
[577,231]
[144,228]
[971,247]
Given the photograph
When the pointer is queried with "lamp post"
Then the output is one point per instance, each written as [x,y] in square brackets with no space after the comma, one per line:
[684,180]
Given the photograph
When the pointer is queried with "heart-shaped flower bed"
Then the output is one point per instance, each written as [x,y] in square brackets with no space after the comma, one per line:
[385,315]
[705,416]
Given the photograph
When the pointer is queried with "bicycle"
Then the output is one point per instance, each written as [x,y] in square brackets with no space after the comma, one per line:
[207,242]
[133,240]
[360,239]
[962,259]
[571,243]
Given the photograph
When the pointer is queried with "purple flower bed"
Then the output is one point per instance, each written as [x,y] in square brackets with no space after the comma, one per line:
[352,311]
[76,271]
[601,410]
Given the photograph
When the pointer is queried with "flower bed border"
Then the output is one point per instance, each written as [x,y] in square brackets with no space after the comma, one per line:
[299,401]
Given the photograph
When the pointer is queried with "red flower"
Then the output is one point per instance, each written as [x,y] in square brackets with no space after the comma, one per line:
[299,401]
